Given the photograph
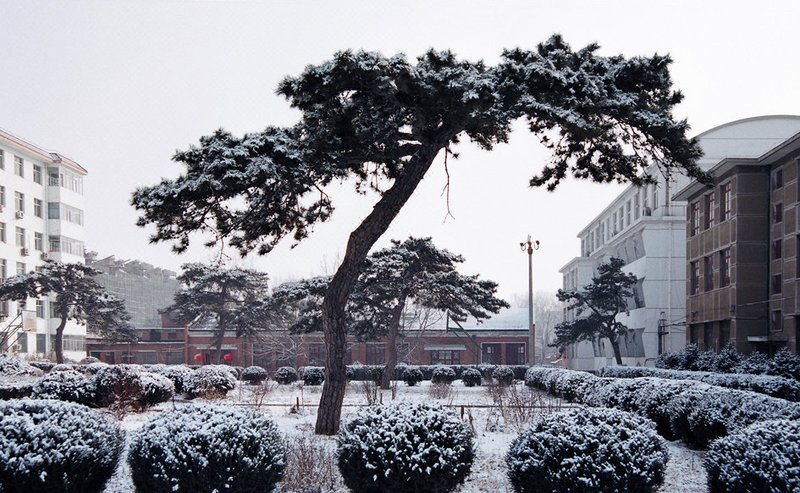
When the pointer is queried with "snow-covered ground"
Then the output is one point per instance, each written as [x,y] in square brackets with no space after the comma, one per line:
[491,414]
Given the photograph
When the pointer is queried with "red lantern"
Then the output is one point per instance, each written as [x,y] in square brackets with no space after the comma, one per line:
[199,357]
[228,357]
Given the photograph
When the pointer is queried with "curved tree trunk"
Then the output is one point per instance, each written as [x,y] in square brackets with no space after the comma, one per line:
[391,345]
[59,342]
[617,354]
[334,324]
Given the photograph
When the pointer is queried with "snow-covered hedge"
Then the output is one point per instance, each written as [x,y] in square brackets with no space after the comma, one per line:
[210,381]
[783,364]
[785,388]
[471,377]
[404,447]
[207,448]
[286,375]
[764,457]
[366,373]
[254,375]
[88,360]
[67,385]
[312,375]
[15,389]
[503,375]
[52,447]
[443,375]
[65,367]
[11,366]
[176,373]
[93,368]
[118,385]
[412,376]
[587,450]
[155,389]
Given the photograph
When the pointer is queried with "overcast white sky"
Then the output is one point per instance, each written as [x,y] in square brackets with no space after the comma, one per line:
[120,85]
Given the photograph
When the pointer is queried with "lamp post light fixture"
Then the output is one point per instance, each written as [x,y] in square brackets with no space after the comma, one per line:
[530,246]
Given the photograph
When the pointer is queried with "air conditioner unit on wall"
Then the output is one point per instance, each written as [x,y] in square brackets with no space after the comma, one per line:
[24,252]
[44,255]
[2,208]
[20,214]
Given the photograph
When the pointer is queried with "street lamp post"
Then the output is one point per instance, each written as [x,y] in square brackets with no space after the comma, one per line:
[530,246]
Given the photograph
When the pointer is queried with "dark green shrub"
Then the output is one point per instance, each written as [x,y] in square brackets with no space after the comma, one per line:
[313,375]
[118,385]
[51,446]
[176,373]
[412,376]
[67,385]
[286,375]
[471,377]
[207,448]
[586,451]
[503,375]
[155,389]
[443,375]
[762,458]
[210,381]
[15,390]
[254,375]
[404,447]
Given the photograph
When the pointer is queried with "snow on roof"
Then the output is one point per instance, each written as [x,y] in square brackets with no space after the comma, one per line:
[51,157]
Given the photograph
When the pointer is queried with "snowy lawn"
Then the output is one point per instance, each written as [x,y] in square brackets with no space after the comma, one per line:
[493,416]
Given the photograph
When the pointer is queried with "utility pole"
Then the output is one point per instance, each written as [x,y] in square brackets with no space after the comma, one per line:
[530,246]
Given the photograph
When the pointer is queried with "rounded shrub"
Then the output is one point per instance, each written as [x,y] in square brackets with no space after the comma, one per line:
[176,373]
[12,366]
[471,377]
[15,389]
[587,450]
[88,360]
[443,375]
[65,367]
[486,370]
[503,375]
[50,446]
[254,375]
[68,385]
[412,376]
[118,385]
[155,389]
[404,447]
[93,368]
[763,457]
[211,382]
[286,375]
[207,448]
[313,375]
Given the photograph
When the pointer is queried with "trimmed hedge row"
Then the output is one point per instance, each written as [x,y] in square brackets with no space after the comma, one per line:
[784,388]
[690,410]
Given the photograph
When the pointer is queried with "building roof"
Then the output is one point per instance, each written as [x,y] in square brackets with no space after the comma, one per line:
[45,155]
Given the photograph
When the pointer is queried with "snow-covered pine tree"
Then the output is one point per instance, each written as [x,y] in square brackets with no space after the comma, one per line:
[382,121]
[78,297]
[236,298]
[600,301]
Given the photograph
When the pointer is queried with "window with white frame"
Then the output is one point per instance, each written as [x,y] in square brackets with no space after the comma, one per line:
[19,201]
[2,159]
[40,309]
[37,174]
[2,232]
[20,237]
[65,244]
[19,166]
[38,241]
[20,268]
[2,195]
[37,208]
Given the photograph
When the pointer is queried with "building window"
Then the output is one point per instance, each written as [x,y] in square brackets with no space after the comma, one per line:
[655,197]
[40,309]
[316,354]
[2,196]
[628,213]
[490,354]
[694,218]
[777,249]
[37,174]
[376,353]
[76,343]
[709,272]
[2,159]
[694,286]
[57,210]
[776,320]
[37,208]
[710,205]
[445,357]
[777,178]
[515,354]
[725,267]
[777,213]
[20,237]
[19,201]
[2,232]
[65,179]
[636,208]
[64,244]
[777,284]
[20,268]
[3,269]
[19,166]
[38,241]
[175,358]
[726,202]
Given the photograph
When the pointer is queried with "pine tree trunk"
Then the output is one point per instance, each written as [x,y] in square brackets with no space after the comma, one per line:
[59,342]
[391,343]
[334,322]
[617,353]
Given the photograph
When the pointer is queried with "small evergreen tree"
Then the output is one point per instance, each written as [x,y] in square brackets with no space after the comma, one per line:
[601,301]
[78,297]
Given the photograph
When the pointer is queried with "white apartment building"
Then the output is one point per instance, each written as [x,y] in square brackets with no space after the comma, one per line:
[647,229]
[41,217]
